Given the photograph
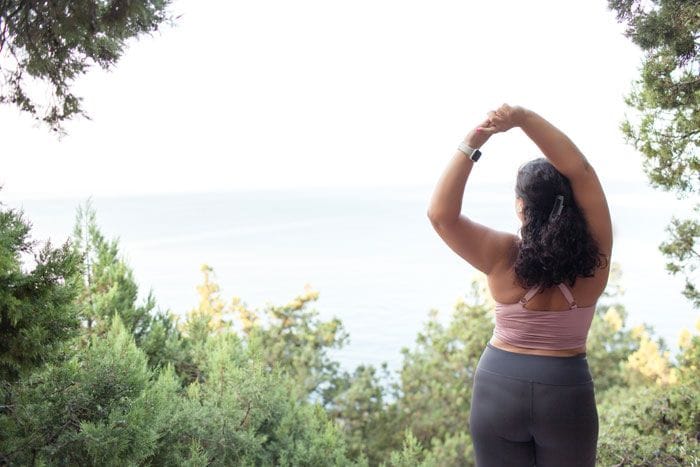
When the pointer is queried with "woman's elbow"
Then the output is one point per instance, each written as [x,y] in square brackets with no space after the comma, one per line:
[441,219]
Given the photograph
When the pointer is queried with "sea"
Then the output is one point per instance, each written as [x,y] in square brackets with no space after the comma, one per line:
[370,252]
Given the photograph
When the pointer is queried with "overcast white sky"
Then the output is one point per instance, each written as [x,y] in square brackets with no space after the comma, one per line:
[272,93]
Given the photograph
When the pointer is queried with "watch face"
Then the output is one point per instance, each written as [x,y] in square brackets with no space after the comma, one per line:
[475,155]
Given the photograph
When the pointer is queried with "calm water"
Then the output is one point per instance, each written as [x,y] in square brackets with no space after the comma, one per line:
[370,252]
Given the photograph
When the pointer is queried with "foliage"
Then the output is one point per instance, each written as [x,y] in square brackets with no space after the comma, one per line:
[455,450]
[230,385]
[437,376]
[610,342]
[654,420]
[667,94]
[430,410]
[650,425]
[37,310]
[96,408]
[410,455]
[208,317]
[164,345]
[689,358]
[108,287]
[358,405]
[50,44]
[649,363]
[293,339]
[666,99]
[105,406]
[680,249]
[243,414]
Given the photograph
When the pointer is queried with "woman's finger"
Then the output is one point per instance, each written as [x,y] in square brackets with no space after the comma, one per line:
[489,130]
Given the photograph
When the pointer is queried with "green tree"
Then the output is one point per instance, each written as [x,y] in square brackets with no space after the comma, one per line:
[610,342]
[50,44]
[648,409]
[650,425]
[411,454]
[666,99]
[164,344]
[436,377]
[241,413]
[109,287]
[357,403]
[210,317]
[37,310]
[650,415]
[103,406]
[293,338]
[426,421]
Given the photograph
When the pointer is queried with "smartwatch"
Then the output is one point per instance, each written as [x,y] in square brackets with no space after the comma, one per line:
[472,153]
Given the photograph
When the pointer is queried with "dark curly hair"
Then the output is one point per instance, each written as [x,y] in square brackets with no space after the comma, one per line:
[556,251]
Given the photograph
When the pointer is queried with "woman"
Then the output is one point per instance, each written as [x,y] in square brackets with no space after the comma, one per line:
[533,399]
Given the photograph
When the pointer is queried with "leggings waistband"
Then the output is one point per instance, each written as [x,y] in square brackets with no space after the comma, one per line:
[537,368]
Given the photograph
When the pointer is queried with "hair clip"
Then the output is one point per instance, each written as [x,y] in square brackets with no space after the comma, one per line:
[558,206]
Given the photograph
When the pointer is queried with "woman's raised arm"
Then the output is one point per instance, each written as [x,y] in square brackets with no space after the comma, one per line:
[482,247]
[567,159]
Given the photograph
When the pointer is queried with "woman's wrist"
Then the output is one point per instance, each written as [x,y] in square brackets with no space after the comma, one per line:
[475,138]
[521,115]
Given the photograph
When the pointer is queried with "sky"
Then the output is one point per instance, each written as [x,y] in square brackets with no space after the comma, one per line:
[318,93]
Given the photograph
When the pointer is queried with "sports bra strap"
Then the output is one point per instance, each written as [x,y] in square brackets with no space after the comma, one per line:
[564,290]
[569,296]
[530,293]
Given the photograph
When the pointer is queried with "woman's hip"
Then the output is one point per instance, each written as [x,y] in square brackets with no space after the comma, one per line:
[542,369]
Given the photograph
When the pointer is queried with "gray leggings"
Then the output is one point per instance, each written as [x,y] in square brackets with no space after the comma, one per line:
[533,410]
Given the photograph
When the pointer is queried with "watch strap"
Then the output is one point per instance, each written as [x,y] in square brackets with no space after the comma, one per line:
[472,153]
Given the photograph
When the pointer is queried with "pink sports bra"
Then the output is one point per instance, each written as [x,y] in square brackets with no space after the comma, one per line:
[543,329]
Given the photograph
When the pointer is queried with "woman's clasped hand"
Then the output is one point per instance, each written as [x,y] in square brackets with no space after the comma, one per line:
[503,119]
